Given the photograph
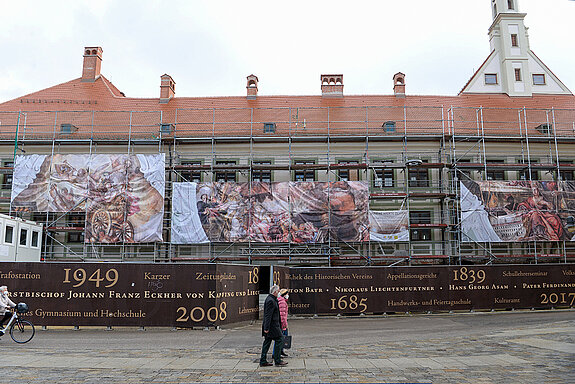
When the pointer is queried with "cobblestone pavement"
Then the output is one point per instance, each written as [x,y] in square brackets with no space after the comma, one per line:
[480,347]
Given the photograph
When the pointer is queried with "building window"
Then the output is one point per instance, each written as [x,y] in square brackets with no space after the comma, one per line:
[66,129]
[463,174]
[490,78]
[545,128]
[383,178]
[420,217]
[493,174]
[538,79]
[35,239]
[269,127]
[190,175]
[166,129]
[517,74]
[524,174]
[418,177]
[304,174]
[76,220]
[23,236]
[226,175]
[262,175]
[9,234]
[510,4]
[514,41]
[8,176]
[389,126]
[566,175]
[347,174]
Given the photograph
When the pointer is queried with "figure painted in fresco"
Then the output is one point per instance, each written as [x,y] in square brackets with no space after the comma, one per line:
[121,201]
[121,205]
[540,220]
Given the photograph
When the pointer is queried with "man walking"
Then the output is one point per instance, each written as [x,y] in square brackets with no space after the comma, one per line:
[271,330]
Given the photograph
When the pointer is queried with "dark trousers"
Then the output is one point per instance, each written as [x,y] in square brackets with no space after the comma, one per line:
[6,317]
[278,344]
[285,333]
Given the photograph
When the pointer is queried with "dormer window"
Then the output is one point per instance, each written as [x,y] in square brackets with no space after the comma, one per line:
[389,126]
[538,79]
[67,129]
[490,78]
[269,127]
[166,129]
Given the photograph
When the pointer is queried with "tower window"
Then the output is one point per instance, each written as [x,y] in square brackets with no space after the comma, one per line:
[514,41]
[510,4]
[491,78]
[517,74]
[539,79]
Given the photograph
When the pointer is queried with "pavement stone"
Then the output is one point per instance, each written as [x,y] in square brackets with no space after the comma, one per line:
[479,348]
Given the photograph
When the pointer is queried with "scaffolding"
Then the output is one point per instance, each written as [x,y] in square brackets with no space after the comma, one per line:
[412,158]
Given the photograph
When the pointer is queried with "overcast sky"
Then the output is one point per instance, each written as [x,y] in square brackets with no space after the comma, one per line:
[209,47]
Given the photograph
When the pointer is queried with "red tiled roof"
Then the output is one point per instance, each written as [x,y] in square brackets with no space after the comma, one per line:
[102,95]
[77,101]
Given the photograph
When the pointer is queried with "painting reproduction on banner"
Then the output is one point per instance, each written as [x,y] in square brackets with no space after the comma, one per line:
[121,195]
[296,212]
[511,211]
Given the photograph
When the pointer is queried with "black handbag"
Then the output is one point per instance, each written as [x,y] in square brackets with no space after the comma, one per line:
[287,341]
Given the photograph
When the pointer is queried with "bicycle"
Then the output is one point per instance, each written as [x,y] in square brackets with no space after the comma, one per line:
[21,331]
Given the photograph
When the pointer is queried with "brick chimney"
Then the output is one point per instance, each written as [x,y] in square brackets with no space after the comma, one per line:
[252,87]
[399,84]
[92,64]
[167,88]
[332,85]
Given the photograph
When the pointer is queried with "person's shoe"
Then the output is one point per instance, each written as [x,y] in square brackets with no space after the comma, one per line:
[284,354]
[266,364]
[281,363]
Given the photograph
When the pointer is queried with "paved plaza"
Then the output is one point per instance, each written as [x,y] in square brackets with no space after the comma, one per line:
[473,347]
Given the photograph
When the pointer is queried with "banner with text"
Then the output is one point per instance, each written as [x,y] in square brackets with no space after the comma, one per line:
[126,294]
[388,226]
[344,290]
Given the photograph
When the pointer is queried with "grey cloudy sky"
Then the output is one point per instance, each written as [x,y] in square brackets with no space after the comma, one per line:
[209,47]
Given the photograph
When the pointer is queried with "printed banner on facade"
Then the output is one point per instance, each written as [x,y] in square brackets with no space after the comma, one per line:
[122,195]
[389,225]
[510,211]
[130,294]
[297,212]
[356,290]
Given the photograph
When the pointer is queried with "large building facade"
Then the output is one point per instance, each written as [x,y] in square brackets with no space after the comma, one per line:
[510,130]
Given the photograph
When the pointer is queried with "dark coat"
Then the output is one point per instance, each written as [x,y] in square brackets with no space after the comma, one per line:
[271,321]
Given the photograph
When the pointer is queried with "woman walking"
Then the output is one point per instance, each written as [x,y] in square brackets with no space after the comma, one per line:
[282,302]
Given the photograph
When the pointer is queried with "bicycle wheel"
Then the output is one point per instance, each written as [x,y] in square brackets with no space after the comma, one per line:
[22,331]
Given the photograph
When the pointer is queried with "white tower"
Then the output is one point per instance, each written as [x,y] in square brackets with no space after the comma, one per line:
[512,68]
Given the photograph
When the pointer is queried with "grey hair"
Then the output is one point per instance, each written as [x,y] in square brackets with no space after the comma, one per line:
[274,288]
[3,288]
